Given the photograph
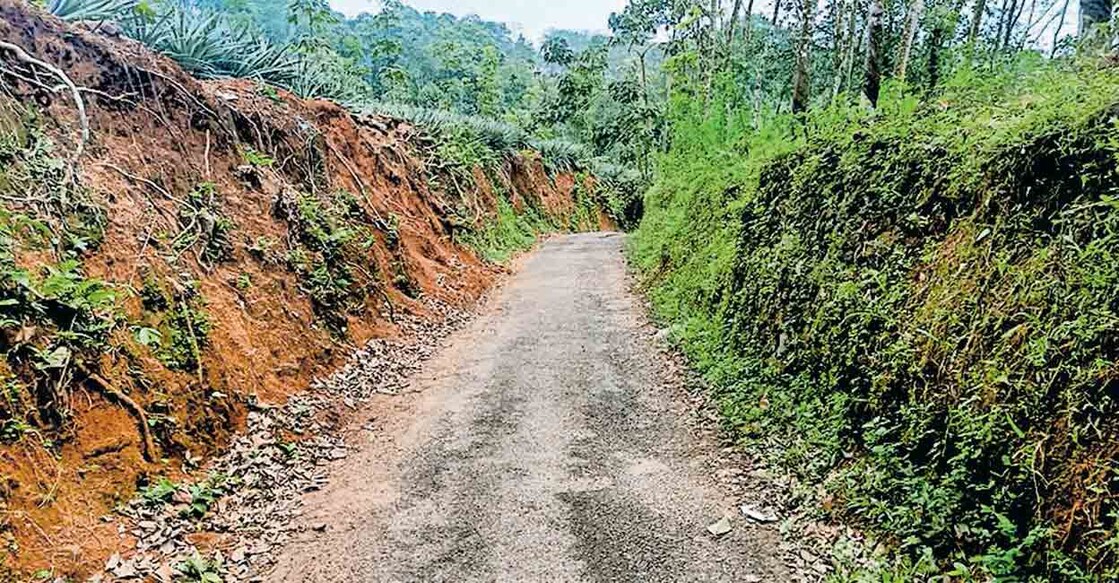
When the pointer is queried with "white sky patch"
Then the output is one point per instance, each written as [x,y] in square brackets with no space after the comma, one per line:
[532,18]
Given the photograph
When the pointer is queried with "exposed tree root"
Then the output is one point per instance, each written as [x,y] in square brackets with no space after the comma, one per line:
[76,93]
[133,407]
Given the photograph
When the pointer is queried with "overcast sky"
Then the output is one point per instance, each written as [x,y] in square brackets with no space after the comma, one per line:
[532,17]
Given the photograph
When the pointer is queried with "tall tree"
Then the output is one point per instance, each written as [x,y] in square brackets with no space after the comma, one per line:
[976,22]
[872,78]
[801,79]
[1057,29]
[732,26]
[912,22]
[1094,13]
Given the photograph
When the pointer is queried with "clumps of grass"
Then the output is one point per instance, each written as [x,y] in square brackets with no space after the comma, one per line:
[53,318]
[191,501]
[37,184]
[270,92]
[198,569]
[916,313]
[620,192]
[263,249]
[158,493]
[584,217]
[56,320]
[257,159]
[508,234]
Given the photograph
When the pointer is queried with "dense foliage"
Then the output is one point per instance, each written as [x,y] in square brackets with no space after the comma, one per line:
[913,307]
[468,69]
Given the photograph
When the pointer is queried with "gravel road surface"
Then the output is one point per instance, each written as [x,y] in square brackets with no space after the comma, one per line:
[544,443]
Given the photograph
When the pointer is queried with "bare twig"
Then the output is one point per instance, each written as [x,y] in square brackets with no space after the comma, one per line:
[142,180]
[192,97]
[359,182]
[23,56]
[206,156]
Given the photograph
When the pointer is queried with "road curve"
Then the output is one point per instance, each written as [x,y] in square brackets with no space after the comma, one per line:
[543,444]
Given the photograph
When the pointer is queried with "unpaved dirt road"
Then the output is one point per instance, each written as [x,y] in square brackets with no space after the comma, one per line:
[543,444]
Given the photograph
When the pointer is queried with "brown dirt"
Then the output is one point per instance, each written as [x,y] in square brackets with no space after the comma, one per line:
[175,132]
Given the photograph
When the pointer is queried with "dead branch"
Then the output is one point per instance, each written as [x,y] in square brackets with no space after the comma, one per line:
[360,184]
[159,189]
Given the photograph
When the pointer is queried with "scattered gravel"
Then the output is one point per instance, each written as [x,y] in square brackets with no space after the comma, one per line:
[256,487]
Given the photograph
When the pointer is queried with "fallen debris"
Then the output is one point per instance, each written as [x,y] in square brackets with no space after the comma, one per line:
[720,528]
[250,497]
[757,515]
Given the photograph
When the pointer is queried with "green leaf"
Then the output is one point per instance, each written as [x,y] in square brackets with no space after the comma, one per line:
[149,337]
[57,358]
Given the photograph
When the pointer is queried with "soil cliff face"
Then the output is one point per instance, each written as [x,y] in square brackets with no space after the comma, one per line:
[209,245]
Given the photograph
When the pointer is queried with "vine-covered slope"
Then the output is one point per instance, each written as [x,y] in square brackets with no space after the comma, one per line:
[918,309]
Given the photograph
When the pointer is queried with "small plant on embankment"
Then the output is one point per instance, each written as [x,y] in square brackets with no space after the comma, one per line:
[176,327]
[56,320]
[917,311]
[328,246]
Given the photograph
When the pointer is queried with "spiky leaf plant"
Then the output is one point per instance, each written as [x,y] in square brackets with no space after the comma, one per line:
[91,9]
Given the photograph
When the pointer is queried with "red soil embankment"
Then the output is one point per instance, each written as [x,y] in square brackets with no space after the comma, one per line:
[214,195]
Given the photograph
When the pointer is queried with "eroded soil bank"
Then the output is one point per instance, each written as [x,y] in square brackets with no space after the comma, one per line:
[214,247]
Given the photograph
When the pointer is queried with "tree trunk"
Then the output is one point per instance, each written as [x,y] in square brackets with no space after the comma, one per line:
[841,41]
[731,26]
[1012,12]
[936,38]
[750,20]
[1092,14]
[776,11]
[872,80]
[801,79]
[1057,30]
[733,22]
[916,9]
[1003,12]
[854,43]
[976,22]
[711,54]
[644,75]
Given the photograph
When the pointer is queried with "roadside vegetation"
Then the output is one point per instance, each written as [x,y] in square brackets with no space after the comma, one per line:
[900,276]
[887,233]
